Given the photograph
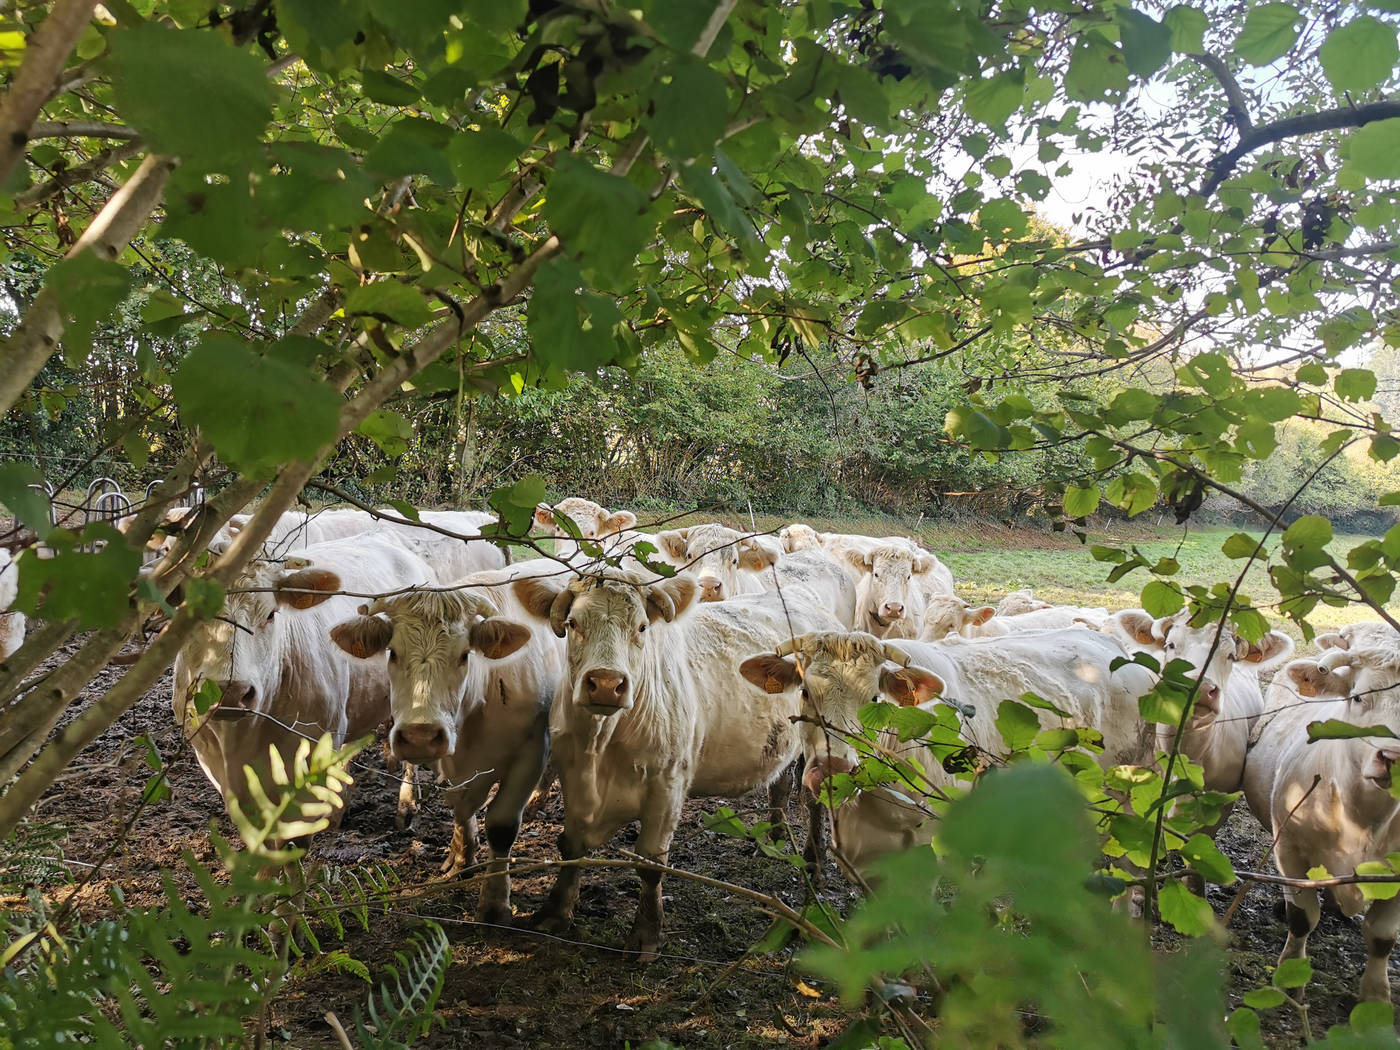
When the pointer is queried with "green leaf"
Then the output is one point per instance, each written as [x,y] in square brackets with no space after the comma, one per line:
[1309,531]
[1264,998]
[478,157]
[1147,43]
[976,428]
[388,90]
[1188,28]
[1239,545]
[516,503]
[1243,1026]
[30,506]
[992,100]
[190,93]
[1314,374]
[1081,502]
[1017,724]
[1203,856]
[389,430]
[1097,69]
[93,587]
[1377,891]
[88,291]
[1293,973]
[1355,384]
[1373,1015]
[389,300]
[1161,599]
[602,219]
[1360,55]
[412,146]
[1133,403]
[1269,31]
[690,107]
[1374,150]
[1187,913]
[569,327]
[258,411]
[1336,729]
[1002,218]
[205,598]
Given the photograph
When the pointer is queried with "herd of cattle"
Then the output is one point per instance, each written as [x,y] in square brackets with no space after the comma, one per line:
[753,655]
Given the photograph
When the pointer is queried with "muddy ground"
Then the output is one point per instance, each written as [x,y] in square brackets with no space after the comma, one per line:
[514,988]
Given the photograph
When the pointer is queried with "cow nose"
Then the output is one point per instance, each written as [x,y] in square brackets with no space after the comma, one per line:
[420,741]
[238,694]
[605,687]
[819,770]
[892,610]
[711,590]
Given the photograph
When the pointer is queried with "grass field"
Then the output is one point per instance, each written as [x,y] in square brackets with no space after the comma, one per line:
[989,559]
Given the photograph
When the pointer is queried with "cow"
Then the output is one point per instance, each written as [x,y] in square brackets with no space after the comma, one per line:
[449,557]
[726,562]
[483,721]
[614,531]
[651,710]
[269,655]
[1329,801]
[799,537]
[889,601]
[11,622]
[1018,602]
[1228,700]
[946,614]
[815,577]
[1368,634]
[842,671]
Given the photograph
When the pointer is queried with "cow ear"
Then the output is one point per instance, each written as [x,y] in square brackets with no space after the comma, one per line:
[617,521]
[536,595]
[669,598]
[293,588]
[497,637]
[1273,648]
[544,516]
[363,636]
[672,542]
[922,564]
[908,686]
[1333,641]
[1139,626]
[757,556]
[772,674]
[982,615]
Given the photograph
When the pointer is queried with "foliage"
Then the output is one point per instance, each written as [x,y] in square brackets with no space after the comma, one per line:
[405,1011]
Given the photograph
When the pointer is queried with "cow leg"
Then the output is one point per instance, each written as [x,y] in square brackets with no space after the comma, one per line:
[661,812]
[557,913]
[814,852]
[1380,926]
[779,793]
[465,802]
[540,796]
[1303,911]
[408,805]
[502,827]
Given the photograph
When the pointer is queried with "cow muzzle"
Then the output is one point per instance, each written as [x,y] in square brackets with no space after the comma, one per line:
[891,611]
[236,699]
[1207,703]
[419,741]
[827,766]
[711,589]
[606,691]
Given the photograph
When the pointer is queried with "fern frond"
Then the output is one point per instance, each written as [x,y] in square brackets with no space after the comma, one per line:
[405,1011]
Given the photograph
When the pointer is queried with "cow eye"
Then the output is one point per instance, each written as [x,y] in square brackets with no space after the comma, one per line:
[641,628]
[465,654]
[805,694]
[393,657]
[572,624]
[876,575]
[270,617]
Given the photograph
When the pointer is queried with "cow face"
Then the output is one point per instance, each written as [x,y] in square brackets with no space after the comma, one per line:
[606,621]
[799,537]
[946,614]
[1019,602]
[1368,678]
[430,639]
[839,675]
[244,650]
[716,555]
[889,592]
[592,520]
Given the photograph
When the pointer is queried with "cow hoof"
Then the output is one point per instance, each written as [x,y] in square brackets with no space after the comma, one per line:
[404,818]
[552,922]
[496,915]
[646,944]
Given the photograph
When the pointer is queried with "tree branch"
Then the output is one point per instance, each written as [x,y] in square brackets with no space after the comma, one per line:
[80,129]
[46,50]
[78,173]
[1239,105]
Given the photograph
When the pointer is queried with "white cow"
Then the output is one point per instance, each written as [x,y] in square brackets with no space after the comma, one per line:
[449,557]
[652,710]
[614,531]
[1018,602]
[11,623]
[726,562]
[1368,634]
[483,721]
[843,671]
[1329,801]
[946,614]
[1229,699]
[817,578]
[269,655]
[889,598]
[799,537]
[852,549]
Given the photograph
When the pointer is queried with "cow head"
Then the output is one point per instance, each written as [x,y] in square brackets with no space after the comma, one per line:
[946,614]
[1018,602]
[244,649]
[607,621]
[716,555]
[839,674]
[1368,678]
[430,637]
[799,537]
[889,592]
[593,521]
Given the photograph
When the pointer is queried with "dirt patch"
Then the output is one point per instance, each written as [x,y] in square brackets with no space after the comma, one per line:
[516,988]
